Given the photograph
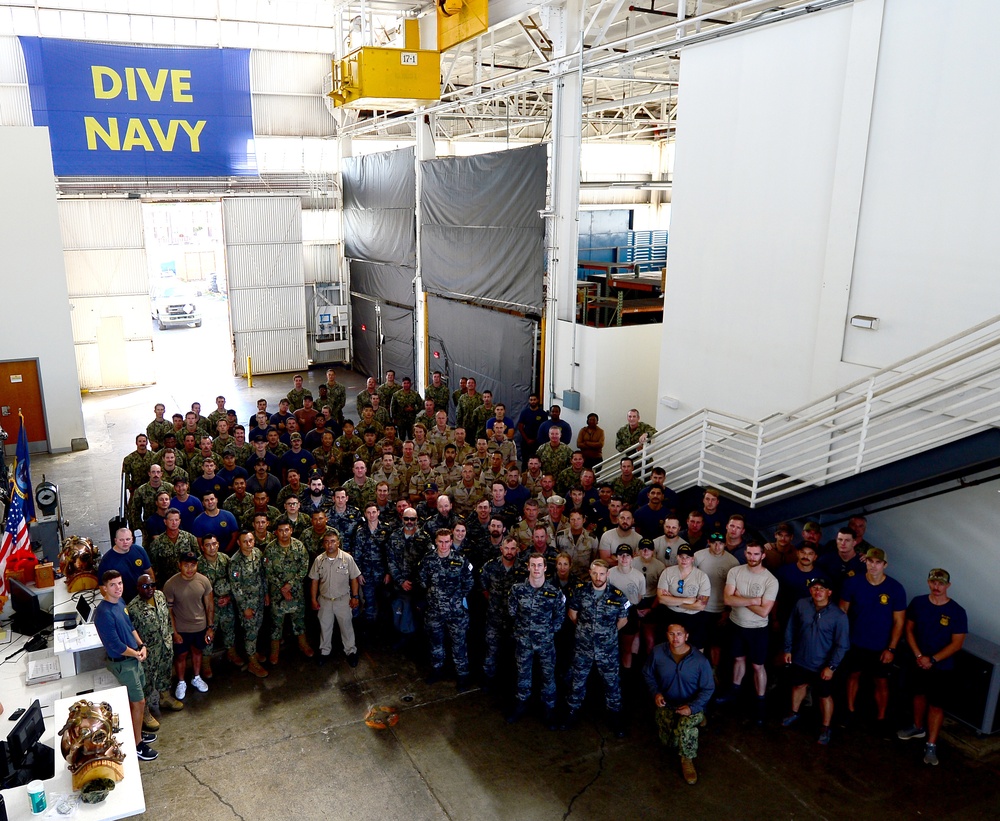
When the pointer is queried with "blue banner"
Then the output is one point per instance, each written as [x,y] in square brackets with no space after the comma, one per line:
[132,111]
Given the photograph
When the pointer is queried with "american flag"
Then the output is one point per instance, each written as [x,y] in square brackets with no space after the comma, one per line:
[22,507]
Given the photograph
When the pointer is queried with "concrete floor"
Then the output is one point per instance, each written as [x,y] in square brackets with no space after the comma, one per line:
[295,745]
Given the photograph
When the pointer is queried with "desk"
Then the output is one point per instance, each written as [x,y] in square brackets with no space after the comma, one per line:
[79,650]
[127,798]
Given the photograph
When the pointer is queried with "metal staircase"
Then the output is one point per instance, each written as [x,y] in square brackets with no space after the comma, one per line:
[940,395]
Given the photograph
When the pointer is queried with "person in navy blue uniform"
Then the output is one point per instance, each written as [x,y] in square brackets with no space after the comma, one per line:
[936,626]
[876,607]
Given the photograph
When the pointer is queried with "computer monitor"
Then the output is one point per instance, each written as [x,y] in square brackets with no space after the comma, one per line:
[29,618]
[28,759]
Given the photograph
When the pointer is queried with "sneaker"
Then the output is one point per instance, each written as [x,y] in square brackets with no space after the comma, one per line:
[911,732]
[930,754]
[824,736]
[789,720]
[144,752]
[148,738]
[352,659]
[199,684]
[181,691]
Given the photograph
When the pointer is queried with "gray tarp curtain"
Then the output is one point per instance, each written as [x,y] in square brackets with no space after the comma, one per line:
[380,242]
[495,347]
[481,236]
[395,324]
[482,241]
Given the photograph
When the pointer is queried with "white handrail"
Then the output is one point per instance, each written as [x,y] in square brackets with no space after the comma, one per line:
[939,395]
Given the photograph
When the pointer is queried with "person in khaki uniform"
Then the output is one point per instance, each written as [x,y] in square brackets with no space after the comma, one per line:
[335,578]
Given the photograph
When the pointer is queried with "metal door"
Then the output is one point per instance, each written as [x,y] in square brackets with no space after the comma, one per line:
[108,283]
[267,295]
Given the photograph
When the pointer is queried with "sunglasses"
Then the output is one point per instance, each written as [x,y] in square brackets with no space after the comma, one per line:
[409,518]
[680,585]
[147,586]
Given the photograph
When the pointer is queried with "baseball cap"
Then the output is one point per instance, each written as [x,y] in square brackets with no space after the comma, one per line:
[188,556]
[623,549]
[939,575]
[685,550]
[258,436]
[821,581]
[295,436]
[430,486]
[646,544]
[876,553]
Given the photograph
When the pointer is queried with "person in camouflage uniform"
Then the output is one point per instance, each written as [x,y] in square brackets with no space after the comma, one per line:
[360,487]
[554,455]
[634,433]
[300,522]
[368,546]
[142,504]
[248,587]
[214,566]
[448,580]
[497,578]
[165,548]
[286,564]
[135,466]
[388,389]
[627,485]
[336,395]
[599,610]
[403,409]
[297,395]
[538,609]
[261,504]
[438,391]
[240,503]
[312,539]
[680,681]
[157,430]
[466,406]
[407,546]
[151,620]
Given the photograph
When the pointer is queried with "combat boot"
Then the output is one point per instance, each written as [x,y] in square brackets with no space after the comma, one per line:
[149,721]
[618,724]
[167,700]
[520,708]
[234,657]
[206,666]
[688,771]
[255,668]
[275,650]
[307,651]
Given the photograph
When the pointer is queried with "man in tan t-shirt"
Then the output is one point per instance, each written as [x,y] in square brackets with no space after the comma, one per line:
[192,613]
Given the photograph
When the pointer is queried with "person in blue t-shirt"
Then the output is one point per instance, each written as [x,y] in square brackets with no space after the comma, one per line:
[126,652]
[876,606]
[220,523]
[936,627]
[128,558]
[844,563]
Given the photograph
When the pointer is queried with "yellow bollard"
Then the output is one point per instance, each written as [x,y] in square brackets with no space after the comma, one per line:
[249,373]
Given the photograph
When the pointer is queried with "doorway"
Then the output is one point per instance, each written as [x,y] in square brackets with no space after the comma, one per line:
[188,293]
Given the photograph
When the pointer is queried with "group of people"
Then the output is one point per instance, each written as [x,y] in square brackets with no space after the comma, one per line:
[491,545]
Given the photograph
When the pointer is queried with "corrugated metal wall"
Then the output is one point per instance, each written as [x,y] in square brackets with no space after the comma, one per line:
[266,282]
[108,284]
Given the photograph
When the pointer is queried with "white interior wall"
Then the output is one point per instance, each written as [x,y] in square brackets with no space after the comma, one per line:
[754,172]
[955,531]
[617,371]
[811,185]
[36,316]
[927,254]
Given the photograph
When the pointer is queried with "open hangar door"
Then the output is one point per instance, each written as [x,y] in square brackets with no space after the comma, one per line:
[267,298]
[108,283]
